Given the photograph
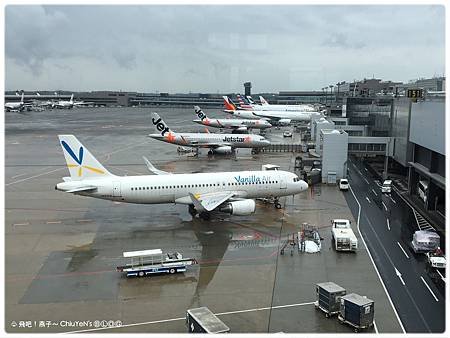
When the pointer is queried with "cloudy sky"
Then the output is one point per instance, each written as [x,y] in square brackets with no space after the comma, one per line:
[217,48]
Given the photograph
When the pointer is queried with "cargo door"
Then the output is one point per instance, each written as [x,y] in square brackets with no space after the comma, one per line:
[116,189]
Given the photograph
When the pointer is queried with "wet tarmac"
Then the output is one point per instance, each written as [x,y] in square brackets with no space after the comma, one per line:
[62,250]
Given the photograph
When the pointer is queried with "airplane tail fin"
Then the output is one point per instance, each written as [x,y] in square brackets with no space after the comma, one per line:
[71,98]
[263,100]
[21,100]
[243,103]
[160,126]
[249,98]
[229,105]
[81,163]
[199,112]
[37,93]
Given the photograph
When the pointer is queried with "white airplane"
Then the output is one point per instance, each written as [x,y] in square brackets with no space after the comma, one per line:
[247,103]
[275,118]
[217,143]
[46,104]
[235,124]
[17,106]
[229,192]
[286,116]
[70,104]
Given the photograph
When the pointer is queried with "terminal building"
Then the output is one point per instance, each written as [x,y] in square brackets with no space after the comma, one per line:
[400,137]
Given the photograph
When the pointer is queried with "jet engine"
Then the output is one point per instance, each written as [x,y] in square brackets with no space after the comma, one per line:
[284,122]
[223,150]
[240,208]
[240,130]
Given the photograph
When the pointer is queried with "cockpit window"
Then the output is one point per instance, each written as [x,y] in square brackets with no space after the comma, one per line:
[296,179]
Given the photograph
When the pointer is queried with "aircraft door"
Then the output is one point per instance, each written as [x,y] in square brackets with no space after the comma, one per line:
[116,189]
[283,184]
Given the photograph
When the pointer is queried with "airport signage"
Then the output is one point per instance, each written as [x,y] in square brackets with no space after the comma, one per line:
[414,93]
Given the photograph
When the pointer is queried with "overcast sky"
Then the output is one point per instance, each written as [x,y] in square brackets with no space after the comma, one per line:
[217,48]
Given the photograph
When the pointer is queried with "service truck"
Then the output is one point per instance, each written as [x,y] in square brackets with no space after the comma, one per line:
[342,234]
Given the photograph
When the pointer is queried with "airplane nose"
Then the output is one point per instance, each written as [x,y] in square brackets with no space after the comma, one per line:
[265,142]
[304,185]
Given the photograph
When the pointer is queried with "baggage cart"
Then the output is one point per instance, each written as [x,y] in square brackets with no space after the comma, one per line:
[328,298]
[202,320]
[356,311]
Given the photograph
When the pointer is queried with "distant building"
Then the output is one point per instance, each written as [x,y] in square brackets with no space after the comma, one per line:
[433,84]
[367,88]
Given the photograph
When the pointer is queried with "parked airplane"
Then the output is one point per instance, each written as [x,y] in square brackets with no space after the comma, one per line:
[46,104]
[235,124]
[218,143]
[70,104]
[284,107]
[286,117]
[229,192]
[17,106]
[274,120]
[231,108]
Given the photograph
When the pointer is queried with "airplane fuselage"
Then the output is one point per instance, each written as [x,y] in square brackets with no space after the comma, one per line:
[234,123]
[288,115]
[206,139]
[155,189]
[276,107]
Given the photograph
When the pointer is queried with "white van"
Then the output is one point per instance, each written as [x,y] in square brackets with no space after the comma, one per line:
[386,187]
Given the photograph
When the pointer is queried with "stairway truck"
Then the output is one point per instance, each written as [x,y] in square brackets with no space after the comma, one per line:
[342,235]
[148,262]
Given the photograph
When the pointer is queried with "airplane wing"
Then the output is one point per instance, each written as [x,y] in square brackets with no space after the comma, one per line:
[209,145]
[80,189]
[238,126]
[210,201]
[267,116]
[152,168]
[82,103]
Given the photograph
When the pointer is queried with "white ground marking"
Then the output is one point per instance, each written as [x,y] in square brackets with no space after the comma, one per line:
[368,200]
[184,318]
[442,277]
[399,275]
[388,224]
[429,289]
[403,250]
[374,192]
[384,205]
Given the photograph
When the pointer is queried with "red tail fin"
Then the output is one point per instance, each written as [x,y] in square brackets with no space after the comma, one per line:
[228,104]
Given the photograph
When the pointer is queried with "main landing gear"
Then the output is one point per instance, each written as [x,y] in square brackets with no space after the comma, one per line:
[192,211]
[272,200]
[206,216]
[277,203]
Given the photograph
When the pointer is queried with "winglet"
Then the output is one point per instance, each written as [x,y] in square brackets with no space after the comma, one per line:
[153,169]
[263,101]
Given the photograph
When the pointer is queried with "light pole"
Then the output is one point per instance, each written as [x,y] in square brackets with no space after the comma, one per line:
[331,95]
[324,91]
